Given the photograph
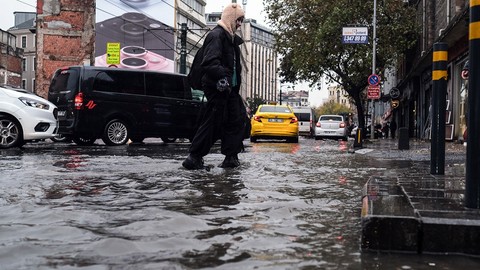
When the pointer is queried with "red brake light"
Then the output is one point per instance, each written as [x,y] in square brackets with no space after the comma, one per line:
[257,118]
[294,120]
[342,125]
[78,101]
[318,124]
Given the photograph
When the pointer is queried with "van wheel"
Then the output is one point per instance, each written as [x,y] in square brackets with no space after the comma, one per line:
[84,141]
[115,133]
[168,140]
[11,134]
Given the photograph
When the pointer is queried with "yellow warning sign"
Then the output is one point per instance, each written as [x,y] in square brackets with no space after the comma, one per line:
[113,53]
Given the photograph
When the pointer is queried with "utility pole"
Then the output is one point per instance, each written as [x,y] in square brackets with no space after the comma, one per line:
[183,49]
[374,56]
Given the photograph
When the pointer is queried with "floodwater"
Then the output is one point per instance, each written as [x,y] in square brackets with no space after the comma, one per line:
[288,206]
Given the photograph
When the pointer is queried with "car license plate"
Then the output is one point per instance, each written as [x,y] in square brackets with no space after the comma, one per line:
[275,120]
[61,113]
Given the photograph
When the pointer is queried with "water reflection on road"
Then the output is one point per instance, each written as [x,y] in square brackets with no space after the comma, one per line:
[288,206]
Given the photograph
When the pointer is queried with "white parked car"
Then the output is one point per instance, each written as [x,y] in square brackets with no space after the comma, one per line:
[331,126]
[25,117]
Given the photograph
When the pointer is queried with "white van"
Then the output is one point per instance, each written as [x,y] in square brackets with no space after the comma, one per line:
[306,120]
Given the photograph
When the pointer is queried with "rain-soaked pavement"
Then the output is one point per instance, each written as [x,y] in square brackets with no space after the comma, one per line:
[288,206]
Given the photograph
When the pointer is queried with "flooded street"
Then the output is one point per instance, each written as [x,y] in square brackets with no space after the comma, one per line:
[288,206]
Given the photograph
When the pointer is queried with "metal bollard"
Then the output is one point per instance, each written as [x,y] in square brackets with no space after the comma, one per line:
[358,143]
[403,140]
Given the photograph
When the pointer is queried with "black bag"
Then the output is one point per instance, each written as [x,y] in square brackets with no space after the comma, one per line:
[196,71]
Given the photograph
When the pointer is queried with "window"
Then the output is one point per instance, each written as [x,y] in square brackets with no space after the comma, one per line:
[24,64]
[34,63]
[33,85]
[119,82]
[24,84]
[165,85]
[24,42]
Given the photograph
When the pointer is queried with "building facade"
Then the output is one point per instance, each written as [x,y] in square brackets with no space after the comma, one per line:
[24,30]
[441,21]
[10,60]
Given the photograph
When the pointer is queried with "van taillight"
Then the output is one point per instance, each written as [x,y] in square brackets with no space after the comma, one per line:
[79,101]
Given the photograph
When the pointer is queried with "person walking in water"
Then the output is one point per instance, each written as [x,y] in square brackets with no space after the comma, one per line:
[220,75]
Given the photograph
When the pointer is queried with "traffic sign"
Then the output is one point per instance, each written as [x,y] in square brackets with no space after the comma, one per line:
[395,93]
[373,92]
[373,79]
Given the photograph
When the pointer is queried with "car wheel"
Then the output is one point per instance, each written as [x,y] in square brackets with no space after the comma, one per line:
[168,140]
[317,138]
[253,139]
[11,134]
[115,133]
[345,139]
[83,141]
[61,138]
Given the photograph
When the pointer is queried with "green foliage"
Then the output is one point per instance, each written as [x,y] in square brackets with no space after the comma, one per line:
[332,108]
[253,103]
[309,37]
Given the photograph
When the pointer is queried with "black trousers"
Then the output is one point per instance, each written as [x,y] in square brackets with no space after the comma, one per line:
[224,119]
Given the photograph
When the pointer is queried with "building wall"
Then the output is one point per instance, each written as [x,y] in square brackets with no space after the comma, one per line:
[27,41]
[10,60]
[65,36]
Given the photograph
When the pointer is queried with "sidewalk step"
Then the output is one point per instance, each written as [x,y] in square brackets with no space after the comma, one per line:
[420,214]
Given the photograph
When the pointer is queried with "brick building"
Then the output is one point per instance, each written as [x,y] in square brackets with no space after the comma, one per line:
[10,60]
[65,36]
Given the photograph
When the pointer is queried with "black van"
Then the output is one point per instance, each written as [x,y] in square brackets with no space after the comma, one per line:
[117,104]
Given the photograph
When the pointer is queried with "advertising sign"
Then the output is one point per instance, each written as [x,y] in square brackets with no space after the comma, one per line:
[113,53]
[144,30]
[355,35]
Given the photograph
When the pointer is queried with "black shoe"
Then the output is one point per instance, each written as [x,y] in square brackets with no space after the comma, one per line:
[193,163]
[230,162]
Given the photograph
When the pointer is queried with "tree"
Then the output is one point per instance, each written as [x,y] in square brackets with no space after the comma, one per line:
[309,37]
[253,103]
[332,107]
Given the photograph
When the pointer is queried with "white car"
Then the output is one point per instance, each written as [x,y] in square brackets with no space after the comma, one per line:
[331,126]
[25,117]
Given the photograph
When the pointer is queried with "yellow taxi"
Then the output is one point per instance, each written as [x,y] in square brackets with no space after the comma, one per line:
[274,122]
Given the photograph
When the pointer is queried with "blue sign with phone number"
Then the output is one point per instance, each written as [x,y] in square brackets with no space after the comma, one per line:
[355,39]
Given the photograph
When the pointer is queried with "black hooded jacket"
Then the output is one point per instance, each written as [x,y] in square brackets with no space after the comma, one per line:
[221,54]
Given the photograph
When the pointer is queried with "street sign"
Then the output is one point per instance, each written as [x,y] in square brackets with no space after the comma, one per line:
[355,35]
[373,79]
[373,92]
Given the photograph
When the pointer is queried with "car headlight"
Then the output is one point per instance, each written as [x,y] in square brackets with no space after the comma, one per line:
[34,103]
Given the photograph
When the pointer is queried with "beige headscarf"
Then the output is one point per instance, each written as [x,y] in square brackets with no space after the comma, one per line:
[230,14]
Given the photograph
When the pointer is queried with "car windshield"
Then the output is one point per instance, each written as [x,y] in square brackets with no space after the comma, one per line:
[278,109]
[331,118]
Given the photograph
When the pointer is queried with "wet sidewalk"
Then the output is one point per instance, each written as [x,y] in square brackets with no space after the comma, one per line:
[414,211]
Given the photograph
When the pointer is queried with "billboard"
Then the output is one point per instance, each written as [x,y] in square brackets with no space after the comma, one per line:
[142,28]
[355,35]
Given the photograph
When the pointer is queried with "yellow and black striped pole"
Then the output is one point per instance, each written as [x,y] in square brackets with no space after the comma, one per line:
[439,91]
[472,181]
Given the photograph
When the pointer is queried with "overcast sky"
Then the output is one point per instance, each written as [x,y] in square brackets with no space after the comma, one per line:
[254,9]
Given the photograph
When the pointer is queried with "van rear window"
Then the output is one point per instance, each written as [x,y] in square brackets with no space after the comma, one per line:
[65,82]
[303,117]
